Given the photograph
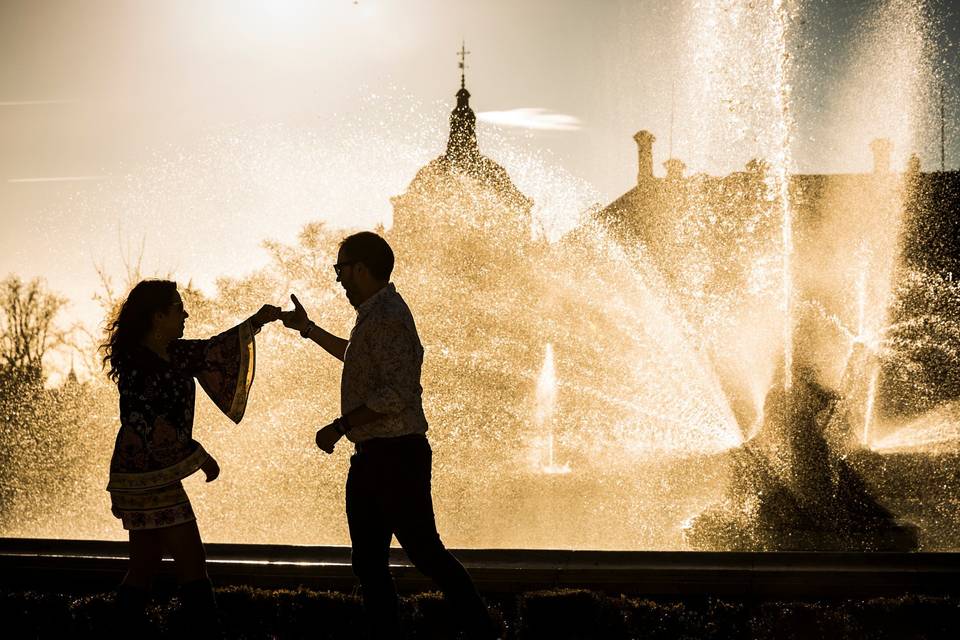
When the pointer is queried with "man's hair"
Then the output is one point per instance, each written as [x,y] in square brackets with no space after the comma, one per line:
[372,250]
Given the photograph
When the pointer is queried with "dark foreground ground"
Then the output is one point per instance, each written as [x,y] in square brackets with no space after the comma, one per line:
[557,614]
[62,589]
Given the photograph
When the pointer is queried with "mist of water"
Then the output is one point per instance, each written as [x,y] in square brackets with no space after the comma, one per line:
[582,392]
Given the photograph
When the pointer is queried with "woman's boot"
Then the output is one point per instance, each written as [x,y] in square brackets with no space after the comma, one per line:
[200,615]
[131,613]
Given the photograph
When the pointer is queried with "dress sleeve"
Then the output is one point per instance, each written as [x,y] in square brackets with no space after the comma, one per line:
[223,365]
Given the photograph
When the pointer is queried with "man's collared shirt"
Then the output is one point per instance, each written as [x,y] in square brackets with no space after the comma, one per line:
[381,368]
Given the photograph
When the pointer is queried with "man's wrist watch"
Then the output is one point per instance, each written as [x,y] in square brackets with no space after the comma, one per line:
[305,332]
[341,425]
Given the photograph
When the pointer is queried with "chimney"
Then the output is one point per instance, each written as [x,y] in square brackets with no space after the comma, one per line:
[675,169]
[913,164]
[644,140]
[881,148]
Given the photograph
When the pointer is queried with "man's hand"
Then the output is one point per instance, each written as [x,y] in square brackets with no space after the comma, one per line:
[267,313]
[328,437]
[297,318]
[211,468]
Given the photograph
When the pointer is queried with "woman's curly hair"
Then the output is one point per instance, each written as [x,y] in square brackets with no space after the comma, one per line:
[131,321]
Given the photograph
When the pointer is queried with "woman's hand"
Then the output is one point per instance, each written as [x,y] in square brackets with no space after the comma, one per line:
[211,468]
[267,313]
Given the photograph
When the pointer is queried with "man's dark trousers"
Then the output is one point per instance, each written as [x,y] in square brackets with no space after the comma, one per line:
[388,493]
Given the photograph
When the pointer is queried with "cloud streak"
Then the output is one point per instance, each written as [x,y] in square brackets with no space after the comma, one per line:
[531,118]
[32,103]
[57,179]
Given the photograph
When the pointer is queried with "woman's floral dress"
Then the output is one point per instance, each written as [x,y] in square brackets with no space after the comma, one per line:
[155,448]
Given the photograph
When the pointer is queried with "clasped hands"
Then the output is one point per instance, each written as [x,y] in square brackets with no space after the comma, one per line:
[297,319]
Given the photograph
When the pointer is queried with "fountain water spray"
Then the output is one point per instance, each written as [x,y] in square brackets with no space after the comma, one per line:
[870,402]
[666,369]
[781,178]
[546,408]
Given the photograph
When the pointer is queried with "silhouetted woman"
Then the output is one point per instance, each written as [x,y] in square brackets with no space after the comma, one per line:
[154,370]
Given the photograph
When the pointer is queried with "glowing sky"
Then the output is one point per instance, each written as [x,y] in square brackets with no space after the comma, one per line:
[203,127]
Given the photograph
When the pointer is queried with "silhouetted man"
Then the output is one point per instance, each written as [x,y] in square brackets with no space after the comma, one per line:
[388,486]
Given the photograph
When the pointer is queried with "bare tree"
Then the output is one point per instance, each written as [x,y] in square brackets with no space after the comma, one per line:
[109,296]
[27,331]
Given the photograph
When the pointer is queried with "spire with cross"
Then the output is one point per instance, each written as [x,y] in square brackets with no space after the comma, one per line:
[462,144]
[463,53]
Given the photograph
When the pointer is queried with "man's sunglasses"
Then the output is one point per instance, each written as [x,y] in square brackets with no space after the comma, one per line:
[337,268]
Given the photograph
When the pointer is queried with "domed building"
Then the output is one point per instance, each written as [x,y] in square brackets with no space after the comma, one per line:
[462,191]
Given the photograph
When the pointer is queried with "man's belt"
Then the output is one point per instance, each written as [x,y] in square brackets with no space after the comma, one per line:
[383,444]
